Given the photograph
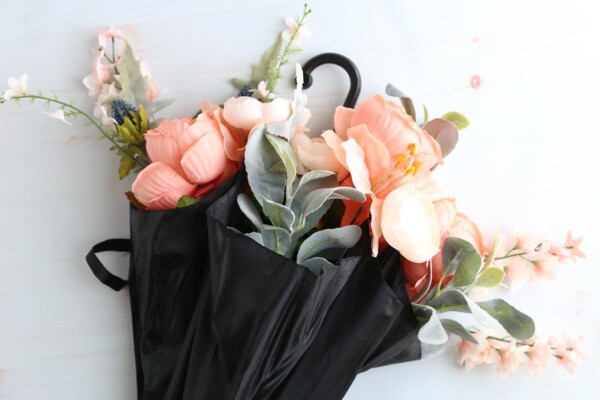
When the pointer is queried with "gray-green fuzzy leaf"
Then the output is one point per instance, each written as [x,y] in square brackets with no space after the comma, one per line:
[257,237]
[266,176]
[249,210]
[276,239]
[287,156]
[461,259]
[519,325]
[312,180]
[338,238]
[316,199]
[455,300]
[432,331]
[280,215]
[316,265]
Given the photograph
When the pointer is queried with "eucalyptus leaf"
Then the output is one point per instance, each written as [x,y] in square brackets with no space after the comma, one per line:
[247,207]
[276,239]
[461,259]
[457,119]
[263,164]
[432,331]
[409,107]
[490,277]
[338,238]
[455,300]
[444,132]
[519,325]
[316,265]
[455,327]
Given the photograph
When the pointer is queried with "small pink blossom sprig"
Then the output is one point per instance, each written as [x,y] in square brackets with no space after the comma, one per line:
[533,260]
[510,354]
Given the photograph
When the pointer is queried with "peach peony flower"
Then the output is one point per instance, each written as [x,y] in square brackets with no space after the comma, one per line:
[246,112]
[385,150]
[160,187]
[234,139]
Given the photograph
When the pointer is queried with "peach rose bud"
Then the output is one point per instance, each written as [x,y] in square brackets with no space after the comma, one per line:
[159,187]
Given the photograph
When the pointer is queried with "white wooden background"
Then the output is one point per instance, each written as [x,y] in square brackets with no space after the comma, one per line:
[530,160]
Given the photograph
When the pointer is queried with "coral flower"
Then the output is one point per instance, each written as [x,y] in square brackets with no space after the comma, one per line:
[386,151]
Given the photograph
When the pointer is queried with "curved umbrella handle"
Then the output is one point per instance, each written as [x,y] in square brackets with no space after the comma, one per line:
[342,61]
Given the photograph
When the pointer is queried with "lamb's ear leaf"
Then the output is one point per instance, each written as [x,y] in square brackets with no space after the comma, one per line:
[280,215]
[327,239]
[247,207]
[432,331]
[256,236]
[266,172]
[316,265]
[276,239]
[287,156]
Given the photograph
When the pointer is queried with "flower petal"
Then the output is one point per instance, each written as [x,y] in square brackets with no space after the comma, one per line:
[206,159]
[377,156]
[355,160]
[341,120]
[159,186]
[409,224]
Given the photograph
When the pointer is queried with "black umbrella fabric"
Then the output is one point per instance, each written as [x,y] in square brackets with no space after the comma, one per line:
[168,272]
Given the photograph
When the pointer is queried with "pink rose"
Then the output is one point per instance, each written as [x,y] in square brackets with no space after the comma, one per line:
[246,112]
[385,150]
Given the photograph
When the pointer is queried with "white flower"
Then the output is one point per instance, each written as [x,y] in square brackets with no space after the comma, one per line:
[58,114]
[292,27]
[261,91]
[16,87]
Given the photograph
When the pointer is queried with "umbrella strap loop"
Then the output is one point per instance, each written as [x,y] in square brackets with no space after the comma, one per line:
[99,270]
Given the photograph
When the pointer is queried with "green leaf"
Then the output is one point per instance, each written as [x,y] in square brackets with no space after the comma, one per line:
[490,277]
[280,215]
[309,182]
[519,325]
[444,132]
[461,259]
[287,156]
[264,166]
[455,300]
[327,239]
[262,70]
[432,331]
[457,119]
[393,91]
[454,327]
[409,107]
[247,207]
[185,201]
[126,165]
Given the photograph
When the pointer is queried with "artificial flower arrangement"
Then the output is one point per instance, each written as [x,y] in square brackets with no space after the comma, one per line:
[268,262]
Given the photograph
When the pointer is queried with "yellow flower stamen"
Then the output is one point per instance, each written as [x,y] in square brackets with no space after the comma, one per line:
[400,160]
[413,149]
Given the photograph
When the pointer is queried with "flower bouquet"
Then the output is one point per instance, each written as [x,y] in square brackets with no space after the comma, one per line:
[271,262]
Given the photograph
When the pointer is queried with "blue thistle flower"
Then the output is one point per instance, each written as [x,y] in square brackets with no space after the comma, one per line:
[245,92]
[122,109]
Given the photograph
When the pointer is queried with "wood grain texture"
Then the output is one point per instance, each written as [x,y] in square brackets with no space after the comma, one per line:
[529,160]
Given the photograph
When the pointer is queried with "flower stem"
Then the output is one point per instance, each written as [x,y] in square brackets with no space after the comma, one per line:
[89,118]
[281,61]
